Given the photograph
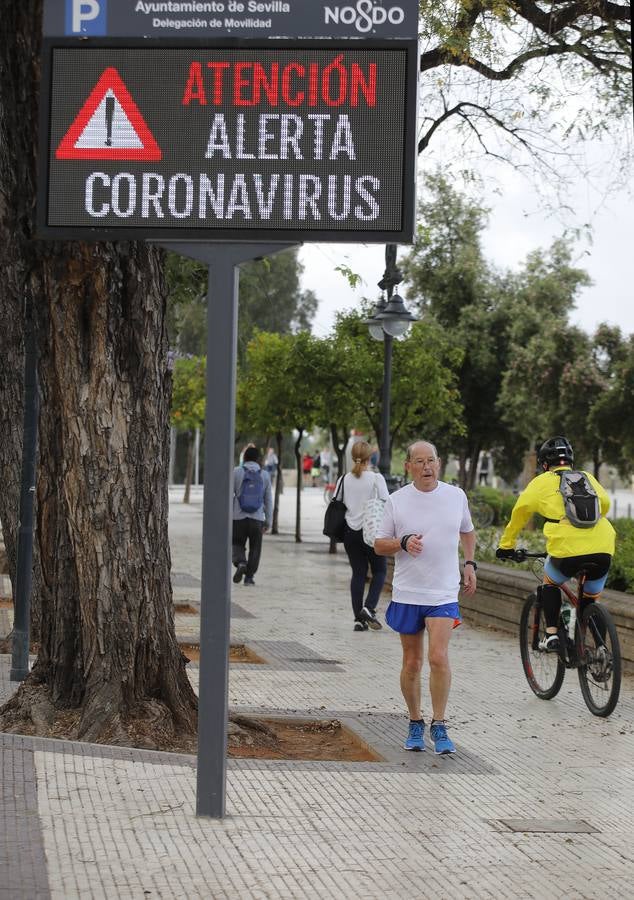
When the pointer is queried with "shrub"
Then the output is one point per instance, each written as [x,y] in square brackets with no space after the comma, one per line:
[621,576]
[501,502]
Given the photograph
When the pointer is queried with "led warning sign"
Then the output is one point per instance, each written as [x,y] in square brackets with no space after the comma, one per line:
[277,141]
[109,126]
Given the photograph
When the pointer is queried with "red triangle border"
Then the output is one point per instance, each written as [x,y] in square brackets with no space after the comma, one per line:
[109,80]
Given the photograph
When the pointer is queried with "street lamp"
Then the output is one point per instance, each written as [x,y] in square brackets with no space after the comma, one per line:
[391,319]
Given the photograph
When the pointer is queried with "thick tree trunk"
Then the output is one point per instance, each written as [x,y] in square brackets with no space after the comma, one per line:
[109,666]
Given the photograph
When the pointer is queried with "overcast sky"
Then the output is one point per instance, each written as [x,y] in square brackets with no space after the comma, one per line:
[516,227]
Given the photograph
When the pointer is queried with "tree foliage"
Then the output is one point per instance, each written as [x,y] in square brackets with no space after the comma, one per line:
[424,396]
[188,406]
[455,288]
[271,299]
[188,393]
[526,371]
[508,67]
[277,391]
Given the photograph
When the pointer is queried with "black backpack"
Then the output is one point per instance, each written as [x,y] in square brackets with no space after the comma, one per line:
[581,502]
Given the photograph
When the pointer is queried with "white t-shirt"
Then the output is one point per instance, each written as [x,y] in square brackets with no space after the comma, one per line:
[356,493]
[433,577]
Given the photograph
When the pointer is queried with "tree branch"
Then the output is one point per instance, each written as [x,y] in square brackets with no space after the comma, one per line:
[548,23]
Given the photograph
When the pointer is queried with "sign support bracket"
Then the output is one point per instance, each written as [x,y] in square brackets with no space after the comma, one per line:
[222,260]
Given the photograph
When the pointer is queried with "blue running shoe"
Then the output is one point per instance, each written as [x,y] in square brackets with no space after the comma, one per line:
[415,736]
[442,743]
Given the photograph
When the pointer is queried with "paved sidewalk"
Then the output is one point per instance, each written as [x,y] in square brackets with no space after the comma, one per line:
[81,820]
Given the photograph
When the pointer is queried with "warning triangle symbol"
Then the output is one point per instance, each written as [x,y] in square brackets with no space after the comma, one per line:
[109,126]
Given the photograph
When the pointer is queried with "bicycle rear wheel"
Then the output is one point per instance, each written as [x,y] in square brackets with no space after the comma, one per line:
[544,671]
[600,656]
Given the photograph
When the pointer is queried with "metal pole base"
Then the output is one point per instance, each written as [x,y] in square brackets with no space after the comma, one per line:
[20,667]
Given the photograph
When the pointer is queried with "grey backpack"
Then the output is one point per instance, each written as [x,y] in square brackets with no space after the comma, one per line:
[581,502]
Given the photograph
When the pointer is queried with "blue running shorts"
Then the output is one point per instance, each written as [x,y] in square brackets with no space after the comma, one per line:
[408,618]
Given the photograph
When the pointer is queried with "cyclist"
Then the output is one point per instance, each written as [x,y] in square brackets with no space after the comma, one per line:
[570,548]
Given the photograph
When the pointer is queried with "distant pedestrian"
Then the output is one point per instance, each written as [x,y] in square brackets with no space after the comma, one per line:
[314,472]
[326,458]
[252,510]
[483,475]
[422,525]
[358,487]
[307,468]
[270,463]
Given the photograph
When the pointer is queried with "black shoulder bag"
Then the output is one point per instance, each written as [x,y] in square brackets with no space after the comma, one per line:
[335,518]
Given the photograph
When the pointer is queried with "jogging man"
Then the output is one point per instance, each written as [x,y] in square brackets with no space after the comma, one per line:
[572,544]
[422,525]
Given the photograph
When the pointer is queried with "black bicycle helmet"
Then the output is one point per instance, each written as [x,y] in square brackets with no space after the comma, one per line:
[556,451]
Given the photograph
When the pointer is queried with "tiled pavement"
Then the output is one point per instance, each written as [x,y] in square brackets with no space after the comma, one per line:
[80,820]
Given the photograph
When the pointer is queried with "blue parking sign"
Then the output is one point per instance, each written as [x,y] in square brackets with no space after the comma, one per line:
[86,17]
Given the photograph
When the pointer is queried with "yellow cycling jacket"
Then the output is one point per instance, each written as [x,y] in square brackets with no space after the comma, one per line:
[542,496]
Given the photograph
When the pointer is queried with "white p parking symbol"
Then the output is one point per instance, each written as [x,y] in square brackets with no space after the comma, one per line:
[84,11]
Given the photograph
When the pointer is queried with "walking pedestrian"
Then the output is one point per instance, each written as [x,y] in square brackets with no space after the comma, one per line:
[422,525]
[270,463]
[358,487]
[252,509]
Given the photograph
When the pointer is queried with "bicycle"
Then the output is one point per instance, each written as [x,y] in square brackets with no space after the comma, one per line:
[329,491]
[588,643]
[482,515]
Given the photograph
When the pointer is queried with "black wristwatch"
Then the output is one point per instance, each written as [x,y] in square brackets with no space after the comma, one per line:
[471,562]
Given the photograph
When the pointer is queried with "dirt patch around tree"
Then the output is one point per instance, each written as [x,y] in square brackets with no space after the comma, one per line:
[237,653]
[307,739]
[248,736]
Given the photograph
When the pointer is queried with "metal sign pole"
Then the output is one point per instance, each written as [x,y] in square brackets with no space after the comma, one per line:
[215,596]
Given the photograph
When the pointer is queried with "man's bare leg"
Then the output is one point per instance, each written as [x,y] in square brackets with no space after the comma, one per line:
[439,630]
[412,645]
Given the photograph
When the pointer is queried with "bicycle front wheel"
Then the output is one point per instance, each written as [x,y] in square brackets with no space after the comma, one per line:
[600,656]
[544,671]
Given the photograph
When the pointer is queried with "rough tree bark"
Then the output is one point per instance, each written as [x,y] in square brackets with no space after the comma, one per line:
[109,667]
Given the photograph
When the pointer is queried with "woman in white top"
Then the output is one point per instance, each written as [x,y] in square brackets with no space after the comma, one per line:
[358,487]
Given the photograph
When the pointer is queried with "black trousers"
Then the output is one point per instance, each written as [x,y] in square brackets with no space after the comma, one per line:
[247,530]
[360,556]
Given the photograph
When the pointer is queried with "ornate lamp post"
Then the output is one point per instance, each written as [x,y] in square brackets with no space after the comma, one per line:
[391,319]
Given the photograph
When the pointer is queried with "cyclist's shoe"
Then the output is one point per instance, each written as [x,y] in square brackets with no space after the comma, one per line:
[415,736]
[360,625]
[369,617]
[549,643]
[442,742]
